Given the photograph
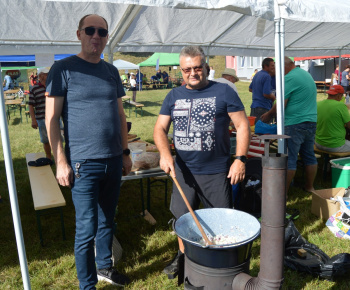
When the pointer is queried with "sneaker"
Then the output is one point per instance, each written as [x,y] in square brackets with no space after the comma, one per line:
[112,276]
[175,266]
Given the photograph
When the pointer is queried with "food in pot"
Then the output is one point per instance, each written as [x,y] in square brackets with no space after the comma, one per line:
[220,240]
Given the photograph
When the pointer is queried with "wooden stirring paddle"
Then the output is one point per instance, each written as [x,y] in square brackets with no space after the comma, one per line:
[190,209]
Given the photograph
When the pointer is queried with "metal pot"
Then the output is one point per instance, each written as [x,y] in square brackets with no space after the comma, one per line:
[216,221]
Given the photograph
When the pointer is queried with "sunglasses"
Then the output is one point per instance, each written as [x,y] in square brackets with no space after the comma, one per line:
[91,31]
[196,69]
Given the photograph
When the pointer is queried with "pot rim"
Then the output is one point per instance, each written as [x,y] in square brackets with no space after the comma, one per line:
[223,246]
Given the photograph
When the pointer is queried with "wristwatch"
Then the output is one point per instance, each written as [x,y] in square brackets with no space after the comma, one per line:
[126,151]
[242,158]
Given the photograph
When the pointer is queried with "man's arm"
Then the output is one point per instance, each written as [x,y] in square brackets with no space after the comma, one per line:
[32,115]
[237,169]
[272,113]
[53,110]
[270,96]
[160,136]
[124,134]
[347,125]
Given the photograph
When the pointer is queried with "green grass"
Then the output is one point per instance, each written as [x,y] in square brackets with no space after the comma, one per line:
[146,248]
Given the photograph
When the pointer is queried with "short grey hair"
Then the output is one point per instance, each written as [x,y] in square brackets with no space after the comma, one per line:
[193,51]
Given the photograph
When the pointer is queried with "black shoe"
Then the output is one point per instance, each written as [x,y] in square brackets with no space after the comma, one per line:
[176,265]
[112,276]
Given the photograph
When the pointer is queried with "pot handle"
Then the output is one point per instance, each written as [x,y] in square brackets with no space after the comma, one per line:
[189,286]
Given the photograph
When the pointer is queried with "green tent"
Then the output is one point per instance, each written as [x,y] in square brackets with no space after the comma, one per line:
[164,59]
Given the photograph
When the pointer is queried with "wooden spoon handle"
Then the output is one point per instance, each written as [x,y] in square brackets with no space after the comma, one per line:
[190,209]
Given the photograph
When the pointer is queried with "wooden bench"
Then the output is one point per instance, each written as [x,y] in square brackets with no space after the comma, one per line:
[328,156]
[47,195]
[136,105]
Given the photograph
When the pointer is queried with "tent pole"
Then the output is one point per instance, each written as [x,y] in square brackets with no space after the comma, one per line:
[279,57]
[110,55]
[339,69]
[13,192]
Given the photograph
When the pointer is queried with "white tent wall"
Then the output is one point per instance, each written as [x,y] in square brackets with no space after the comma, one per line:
[222,27]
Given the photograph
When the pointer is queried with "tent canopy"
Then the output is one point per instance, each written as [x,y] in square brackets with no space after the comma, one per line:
[123,65]
[162,58]
[221,27]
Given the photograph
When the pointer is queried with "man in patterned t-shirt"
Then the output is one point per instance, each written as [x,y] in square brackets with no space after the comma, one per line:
[37,109]
[201,112]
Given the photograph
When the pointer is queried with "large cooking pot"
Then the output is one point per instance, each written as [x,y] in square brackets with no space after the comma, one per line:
[216,221]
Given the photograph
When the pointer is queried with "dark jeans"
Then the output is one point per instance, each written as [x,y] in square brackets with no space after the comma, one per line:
[258,112]
[95,196]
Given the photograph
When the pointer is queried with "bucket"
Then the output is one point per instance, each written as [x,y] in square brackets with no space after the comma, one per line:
[340,172]
[218,221]
[251,120]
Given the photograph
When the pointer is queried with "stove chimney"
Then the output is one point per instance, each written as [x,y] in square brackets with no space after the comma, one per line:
[272,223]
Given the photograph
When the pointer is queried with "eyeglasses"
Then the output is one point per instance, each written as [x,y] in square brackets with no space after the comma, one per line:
[196,69]
[91,31]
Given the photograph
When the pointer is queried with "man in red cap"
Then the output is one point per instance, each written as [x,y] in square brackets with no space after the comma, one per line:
[332,118]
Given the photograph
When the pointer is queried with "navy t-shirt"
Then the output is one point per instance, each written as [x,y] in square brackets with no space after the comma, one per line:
[200,126]
[260,85]
[90,109]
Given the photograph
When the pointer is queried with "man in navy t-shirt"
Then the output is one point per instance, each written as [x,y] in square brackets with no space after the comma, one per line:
[201,112]
[263,95]
[87,92]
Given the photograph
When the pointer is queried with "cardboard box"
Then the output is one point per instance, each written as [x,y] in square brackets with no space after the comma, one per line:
[322,206]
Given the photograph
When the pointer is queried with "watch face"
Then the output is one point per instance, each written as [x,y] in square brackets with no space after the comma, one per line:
[126,152]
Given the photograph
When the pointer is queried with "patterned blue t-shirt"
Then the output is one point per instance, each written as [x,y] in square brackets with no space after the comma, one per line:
[200,126]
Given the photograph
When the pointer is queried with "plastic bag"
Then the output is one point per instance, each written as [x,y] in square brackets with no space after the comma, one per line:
[264,128]
[303,256]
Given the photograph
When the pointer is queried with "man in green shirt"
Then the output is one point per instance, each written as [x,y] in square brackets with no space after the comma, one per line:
[332,118]
[300,121]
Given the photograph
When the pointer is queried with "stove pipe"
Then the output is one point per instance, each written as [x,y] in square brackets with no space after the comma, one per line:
[272,223]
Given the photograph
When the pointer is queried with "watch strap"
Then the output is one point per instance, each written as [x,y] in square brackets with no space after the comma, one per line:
[242,158]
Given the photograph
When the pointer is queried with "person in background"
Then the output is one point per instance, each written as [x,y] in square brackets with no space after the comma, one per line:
[165,77]
[300,121]
[229,77]
[263,95]
[211,74]
[337,73]
[33,79]
[159,74]
[332,119]
[201,112]
[139,78]
[254,73]
[87,92]
[37,108]
[8,82]
[145,80]
[345,78]
[334,79]
[133,87]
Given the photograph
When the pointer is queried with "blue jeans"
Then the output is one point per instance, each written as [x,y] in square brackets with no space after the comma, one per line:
[95,196]
[302,141]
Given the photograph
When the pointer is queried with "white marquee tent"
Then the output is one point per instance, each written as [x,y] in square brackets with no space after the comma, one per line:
[124,65]
[221,27]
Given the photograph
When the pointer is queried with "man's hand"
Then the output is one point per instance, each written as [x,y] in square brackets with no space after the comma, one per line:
[237,172]
[265,117]
[34,124]
[127,164]
[167,164]
[64,174]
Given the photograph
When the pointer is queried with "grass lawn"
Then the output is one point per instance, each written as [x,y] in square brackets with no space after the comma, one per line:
[146,248]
